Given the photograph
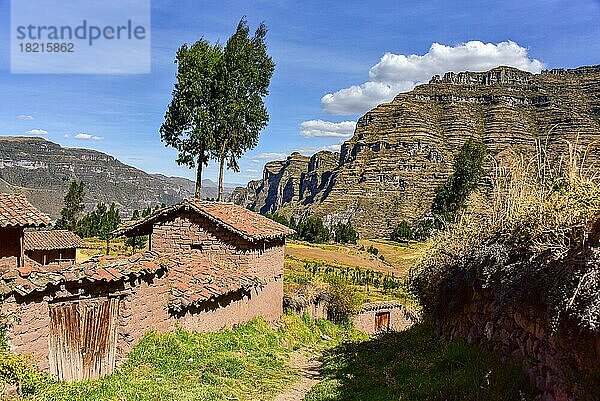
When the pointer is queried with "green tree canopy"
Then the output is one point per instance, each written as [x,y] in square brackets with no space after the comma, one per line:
[452,196]
[245,73]
[217,110]
[73,206]
[344,233]
[313,230]
[191,119]
[402,232]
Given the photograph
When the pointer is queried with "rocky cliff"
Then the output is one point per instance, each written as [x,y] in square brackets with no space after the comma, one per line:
[402,150]
[43,170]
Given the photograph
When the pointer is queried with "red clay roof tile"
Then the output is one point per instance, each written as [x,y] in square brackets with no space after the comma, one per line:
[246,223]
[52,239]
[16,211]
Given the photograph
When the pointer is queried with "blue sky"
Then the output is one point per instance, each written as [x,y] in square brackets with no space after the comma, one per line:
[331,66]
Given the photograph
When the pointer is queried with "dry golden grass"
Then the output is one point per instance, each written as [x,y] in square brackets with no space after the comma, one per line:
[540,203]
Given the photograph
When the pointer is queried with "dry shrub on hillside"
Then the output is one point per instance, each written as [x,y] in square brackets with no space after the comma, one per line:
[536,239]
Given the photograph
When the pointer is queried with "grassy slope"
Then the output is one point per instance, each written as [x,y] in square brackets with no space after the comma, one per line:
[246,363]
[415,366]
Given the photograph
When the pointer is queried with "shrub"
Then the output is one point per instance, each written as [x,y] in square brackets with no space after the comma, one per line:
[451,197]
[313,230]
[402,232]
[17,370]
[342,301]
[344,233]
[372,250]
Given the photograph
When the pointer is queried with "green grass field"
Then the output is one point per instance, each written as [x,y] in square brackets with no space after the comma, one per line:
[248,362]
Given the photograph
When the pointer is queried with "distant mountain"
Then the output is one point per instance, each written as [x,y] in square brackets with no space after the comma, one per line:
[43,170]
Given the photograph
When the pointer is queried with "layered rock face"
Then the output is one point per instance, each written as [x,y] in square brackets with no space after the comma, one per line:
[402,150]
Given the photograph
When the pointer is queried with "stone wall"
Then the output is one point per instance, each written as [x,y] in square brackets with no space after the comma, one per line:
[562,363]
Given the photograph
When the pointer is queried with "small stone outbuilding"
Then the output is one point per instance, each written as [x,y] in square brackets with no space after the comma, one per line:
[210,265]
[55,246]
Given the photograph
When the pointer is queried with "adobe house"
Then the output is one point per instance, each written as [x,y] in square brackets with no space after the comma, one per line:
[383,316]
[16,214]
[55,246]
[212,265]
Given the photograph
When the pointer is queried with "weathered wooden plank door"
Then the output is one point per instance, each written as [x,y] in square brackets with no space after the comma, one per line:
[382,321]
[83,338]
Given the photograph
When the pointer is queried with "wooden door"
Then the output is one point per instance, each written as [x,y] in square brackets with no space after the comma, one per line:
[382,321]
[83,338]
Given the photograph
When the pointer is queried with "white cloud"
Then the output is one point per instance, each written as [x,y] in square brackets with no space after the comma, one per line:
[396,73]
[261,157]
[358,99]
[88,137]
[320,128]
[36,132]
[24,117]
[310,150]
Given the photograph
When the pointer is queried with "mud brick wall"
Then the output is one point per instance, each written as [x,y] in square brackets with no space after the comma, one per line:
[142,309]
[399,320]
[236,308]
[28,328]
[189,230]
[561,363]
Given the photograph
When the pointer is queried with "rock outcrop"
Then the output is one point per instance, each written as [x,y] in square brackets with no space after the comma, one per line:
[402,150]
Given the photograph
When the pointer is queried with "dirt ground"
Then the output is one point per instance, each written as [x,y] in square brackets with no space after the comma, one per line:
[309,368]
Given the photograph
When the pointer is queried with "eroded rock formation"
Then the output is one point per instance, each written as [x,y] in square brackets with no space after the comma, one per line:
[402,150]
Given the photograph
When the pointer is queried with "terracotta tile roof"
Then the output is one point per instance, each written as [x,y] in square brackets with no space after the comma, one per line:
[16,211]
[37,278]
[246,223]
[194,280]
[52,239]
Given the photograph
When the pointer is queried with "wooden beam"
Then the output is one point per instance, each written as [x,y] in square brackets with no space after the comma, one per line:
[21,261]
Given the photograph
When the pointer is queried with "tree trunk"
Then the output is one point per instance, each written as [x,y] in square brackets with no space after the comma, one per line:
[107,245]
[222,163]
[197,194]
[221,169]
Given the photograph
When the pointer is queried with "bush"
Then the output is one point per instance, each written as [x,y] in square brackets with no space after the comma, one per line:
[17,370]
[342,301]
[402,232]
[451,197]
[344,233]
[372,250]
[313,230]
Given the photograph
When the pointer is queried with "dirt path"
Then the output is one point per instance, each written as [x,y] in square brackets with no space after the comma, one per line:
[310,375]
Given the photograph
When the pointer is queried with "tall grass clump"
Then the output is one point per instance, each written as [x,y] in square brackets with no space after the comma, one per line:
[533,237]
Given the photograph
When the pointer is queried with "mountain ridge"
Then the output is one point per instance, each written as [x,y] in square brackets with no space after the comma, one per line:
[43,169]
[402,150]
